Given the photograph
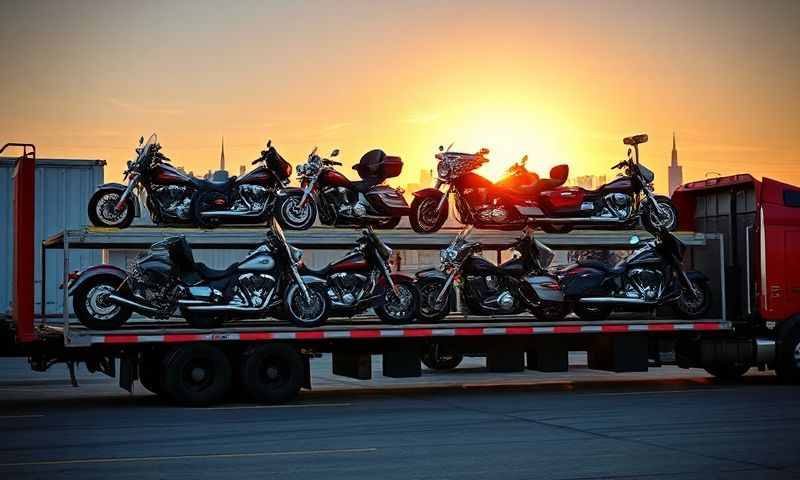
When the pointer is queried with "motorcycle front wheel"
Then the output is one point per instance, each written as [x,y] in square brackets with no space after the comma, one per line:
[307,312]
[691,306]
[102,210]
[428,291]
[424,217]
[294,217]
[665,216]
[401,308]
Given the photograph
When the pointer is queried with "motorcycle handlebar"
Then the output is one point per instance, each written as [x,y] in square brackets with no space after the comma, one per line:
[620,164]
[331,162]
[255,161]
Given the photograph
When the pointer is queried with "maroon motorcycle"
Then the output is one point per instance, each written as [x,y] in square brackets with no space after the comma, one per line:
[340,201]
[545,203]
[176,198]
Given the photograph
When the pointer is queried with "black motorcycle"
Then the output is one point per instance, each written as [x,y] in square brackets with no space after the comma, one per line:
[176,198]
[362,279]
[649,277]
[340,201]
[519,284]
[265,283]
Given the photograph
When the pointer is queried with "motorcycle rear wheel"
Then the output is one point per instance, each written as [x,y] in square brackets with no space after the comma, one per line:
[94,311]
[424,218]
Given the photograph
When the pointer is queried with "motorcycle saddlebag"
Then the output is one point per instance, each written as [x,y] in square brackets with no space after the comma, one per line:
[376,164]
[564,199]
[580,281]
[387,200]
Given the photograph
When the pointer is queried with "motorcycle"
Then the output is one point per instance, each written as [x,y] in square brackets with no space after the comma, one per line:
[173,197]
[342,202]
[167,278]
[362,279]
[519,284]
[619,204]
[651,276]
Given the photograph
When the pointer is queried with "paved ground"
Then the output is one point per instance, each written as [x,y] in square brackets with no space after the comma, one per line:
[669,423]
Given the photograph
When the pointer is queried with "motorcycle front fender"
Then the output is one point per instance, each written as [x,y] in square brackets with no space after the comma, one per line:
[397,277]
[429,193]
[91,272]
[430,273]
[120,188]
[312,280]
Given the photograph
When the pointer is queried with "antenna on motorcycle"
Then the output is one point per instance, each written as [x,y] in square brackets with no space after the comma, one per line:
[269,143]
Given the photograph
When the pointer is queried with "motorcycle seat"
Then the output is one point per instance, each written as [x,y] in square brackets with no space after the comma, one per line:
[213,274]
[558,176]
[363,186]
[322,272]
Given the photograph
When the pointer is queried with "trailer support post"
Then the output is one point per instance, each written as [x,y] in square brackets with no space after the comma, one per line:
[619,353]
[505,359]
[352,365]
[551,355]
[402,364]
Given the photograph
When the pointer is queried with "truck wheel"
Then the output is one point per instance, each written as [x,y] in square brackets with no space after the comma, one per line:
[150,372]
[272,373]
[437,358]
[787,363]
[94,310]
[196,374]
[729,373]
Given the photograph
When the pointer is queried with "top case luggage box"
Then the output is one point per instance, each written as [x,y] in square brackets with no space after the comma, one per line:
[376,164]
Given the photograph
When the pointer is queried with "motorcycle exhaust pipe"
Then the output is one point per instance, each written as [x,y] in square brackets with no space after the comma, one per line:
[618,300]
[134,305]
[229,214]
[579,220]
[224,308]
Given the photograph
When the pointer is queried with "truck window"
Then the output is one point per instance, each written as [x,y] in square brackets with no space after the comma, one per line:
[791,198]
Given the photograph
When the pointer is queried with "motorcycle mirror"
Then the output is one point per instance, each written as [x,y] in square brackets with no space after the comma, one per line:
[524,160]
[634,240]
[629,151]
[269,143]
[335,152]
[441,148]
[129,163]
[141,140]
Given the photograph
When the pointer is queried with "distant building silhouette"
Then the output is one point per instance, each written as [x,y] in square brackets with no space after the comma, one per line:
[222,155]
[675,171]
[589,182]
[242,170]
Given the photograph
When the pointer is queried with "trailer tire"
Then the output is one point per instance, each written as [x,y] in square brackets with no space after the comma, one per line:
[196,374]
[787,363]
[728,373]
[150,372]
[272,373]
[436,358]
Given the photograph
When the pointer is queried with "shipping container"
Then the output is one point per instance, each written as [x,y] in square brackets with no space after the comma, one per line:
[63,188]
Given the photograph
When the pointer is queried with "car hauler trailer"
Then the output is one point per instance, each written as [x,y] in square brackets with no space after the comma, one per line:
[270,360]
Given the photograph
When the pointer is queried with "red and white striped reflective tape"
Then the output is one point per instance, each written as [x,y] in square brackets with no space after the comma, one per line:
[404,332]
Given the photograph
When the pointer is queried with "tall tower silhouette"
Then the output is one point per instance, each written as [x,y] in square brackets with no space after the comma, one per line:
[675,171]
[222,156]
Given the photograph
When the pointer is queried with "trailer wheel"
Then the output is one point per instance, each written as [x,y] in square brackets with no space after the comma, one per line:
[150,372]
[196,374]
[728,373]
[272,373]
[787,364]
[437,358]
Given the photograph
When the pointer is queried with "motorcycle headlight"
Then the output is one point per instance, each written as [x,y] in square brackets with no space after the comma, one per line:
[443,170]
[448,255]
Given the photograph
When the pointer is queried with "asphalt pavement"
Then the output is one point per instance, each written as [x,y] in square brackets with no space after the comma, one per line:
[668,423]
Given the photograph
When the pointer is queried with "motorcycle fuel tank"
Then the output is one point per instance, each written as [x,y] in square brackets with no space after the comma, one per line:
[164,174]
[259,176]
[479,266]
[580,281]
[350,263]
[261,262]
[333,178]
[621,184]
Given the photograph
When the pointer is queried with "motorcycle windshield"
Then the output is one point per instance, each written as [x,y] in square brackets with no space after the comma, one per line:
[545,254]
[647,175]
[145,148]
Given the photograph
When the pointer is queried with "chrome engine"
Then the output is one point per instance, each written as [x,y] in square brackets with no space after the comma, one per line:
[617,205]
[496,299]
[348,207]
[251,198]
[175,200]
[161,293]
[647,284]
[346,289]
[253,290]
[493,214]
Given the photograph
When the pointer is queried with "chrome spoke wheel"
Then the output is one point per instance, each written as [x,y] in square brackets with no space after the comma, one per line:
[428,213]
[106,209]
[692,301]
[400,305]
[661,215]
[98,304]
[428,294]
[307,310]
[294,213]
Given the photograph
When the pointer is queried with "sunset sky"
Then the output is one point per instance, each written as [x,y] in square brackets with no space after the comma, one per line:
[561,81]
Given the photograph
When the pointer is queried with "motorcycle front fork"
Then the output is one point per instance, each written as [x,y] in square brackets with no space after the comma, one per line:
[445,288]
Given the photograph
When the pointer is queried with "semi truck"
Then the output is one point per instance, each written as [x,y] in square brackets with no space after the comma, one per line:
[742,232]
